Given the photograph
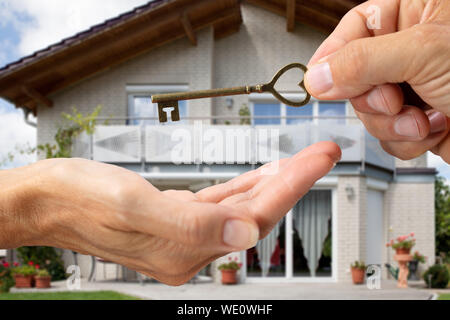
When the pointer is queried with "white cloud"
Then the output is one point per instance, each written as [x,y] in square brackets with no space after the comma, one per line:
[15,133]
[437,162]
[49,21]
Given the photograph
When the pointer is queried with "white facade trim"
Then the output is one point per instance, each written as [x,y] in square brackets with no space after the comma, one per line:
[415,178]
[334,235]
[289,245]
[376,184]
[327,181]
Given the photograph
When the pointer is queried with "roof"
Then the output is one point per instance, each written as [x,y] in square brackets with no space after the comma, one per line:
[29,81]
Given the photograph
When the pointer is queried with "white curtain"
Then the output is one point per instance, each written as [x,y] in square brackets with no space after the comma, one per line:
[266,247]
[312,215]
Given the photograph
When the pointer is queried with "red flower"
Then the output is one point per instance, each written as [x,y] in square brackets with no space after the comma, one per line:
[16,264]
[240,265]
[31,263]
[37,266]
[6,264]
[229,258]
[412,234]
[236,258]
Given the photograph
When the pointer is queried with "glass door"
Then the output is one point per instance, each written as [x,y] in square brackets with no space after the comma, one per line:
[268,258]
[300,246]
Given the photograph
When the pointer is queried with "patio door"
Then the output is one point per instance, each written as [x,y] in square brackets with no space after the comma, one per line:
[299,247]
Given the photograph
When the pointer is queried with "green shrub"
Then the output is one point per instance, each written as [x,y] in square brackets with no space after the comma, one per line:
[42,273]
[359,265]
[24,271]
[439,276]
[6,280]
[46,257]
[233,265]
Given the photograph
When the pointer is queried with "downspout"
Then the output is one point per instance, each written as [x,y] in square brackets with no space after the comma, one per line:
[26,113]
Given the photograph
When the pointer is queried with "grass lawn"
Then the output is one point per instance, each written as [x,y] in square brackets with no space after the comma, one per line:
[444,296]
[92,295]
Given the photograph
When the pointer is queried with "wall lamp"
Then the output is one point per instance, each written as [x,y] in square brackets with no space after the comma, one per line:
[229,103]
[350,192]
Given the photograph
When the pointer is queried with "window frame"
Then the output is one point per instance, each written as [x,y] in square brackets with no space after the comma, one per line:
[136,91]
[268,98]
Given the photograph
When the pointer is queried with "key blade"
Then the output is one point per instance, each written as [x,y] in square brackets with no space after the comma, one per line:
[162,112]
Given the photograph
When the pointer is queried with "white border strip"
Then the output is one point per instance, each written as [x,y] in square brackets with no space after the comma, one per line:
[376,184]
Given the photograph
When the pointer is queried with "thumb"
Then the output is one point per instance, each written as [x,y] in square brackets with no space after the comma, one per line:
[195,223]
[365,63]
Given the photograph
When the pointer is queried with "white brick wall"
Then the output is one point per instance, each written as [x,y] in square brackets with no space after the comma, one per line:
[351,220]
[411,209]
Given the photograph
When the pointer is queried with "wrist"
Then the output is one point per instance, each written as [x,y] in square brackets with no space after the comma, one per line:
[21,221]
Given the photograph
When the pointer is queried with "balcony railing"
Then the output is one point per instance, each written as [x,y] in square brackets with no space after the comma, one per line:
[193,141]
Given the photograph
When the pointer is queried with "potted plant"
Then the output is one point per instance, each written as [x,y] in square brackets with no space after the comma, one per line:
[23,276]
[43,279]
[358,272]
[403,244]
[414,265]
[229,271]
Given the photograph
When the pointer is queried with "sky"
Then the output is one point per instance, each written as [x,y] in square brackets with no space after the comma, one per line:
[29,25]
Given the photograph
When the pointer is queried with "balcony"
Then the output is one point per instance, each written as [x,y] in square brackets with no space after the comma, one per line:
[194,142]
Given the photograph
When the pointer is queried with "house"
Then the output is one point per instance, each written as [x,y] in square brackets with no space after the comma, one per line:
[179,45]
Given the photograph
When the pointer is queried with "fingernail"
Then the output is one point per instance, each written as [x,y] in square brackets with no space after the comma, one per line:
[438,122]
[240,235]
[407,126]
[319,78]
[376,101]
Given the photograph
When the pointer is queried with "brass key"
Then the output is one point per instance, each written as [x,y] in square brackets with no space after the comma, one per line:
[170,100]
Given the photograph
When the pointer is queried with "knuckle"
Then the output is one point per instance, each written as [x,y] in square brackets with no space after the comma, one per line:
[354,55]
[403,152]
[192,229]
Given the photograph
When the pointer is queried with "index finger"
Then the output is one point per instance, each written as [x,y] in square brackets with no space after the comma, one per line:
[248,180]
[273,197]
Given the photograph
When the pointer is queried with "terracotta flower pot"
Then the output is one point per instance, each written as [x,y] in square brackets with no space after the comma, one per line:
[229,277]
[402,251]
[358,275]
[43,282]
[23,281]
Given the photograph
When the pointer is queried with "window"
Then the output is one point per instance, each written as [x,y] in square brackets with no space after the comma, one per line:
[266,110]
[140,104]
[305,111]
[317,112]
[335,110]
